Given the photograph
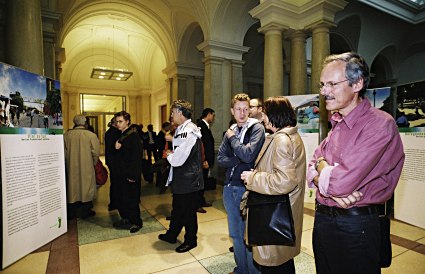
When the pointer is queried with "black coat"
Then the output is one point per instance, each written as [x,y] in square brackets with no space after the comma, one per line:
[111,136]
[208,142]
[129,156]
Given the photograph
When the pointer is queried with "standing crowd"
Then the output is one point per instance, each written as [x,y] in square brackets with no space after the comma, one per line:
[355,170]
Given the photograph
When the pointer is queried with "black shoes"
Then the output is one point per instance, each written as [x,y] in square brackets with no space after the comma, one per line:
[122,224]
[166,238]
[201,210]
[135,228]
[126,225]
[185,247]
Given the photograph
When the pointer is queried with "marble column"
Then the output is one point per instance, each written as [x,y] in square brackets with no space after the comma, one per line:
[320,49]
[199,96]
[216,96]
[273,61]
[132,105]
[73,106]
[24,38]
[298,74]
[237,76]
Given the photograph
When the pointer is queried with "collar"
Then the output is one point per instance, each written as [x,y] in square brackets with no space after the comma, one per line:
[182,126]
[352,117]
[208,125]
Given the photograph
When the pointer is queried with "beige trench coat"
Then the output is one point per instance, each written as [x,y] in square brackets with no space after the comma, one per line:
[281,169]
[81,154]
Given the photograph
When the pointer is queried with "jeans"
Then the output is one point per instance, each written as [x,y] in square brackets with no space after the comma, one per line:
[243,256]
[346,244]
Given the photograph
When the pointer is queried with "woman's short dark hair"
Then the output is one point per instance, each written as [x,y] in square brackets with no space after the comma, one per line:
[125,115]
[280,112]
[356,68]
[184,106]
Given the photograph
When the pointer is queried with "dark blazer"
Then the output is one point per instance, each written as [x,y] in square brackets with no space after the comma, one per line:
[111,136]
[207,141]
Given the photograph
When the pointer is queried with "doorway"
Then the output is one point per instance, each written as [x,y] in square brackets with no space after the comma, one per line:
[100,109]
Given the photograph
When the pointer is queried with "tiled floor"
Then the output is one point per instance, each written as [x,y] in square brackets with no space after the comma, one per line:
[94,246]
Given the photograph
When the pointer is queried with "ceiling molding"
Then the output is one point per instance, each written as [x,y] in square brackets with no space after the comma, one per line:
[404,10]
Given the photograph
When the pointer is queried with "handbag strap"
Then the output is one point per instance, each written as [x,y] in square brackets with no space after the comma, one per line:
[261,157]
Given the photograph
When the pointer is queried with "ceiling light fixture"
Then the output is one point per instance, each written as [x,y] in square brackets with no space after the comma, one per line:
[110,74]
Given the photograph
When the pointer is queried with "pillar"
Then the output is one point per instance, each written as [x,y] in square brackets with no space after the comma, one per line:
[273,60]
[237,76]
[24,35]
[298,74]
[320,49]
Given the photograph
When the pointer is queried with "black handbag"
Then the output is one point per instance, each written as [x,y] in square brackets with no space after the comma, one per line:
[270,220]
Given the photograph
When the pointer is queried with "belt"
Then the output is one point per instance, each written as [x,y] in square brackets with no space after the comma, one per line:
[354,211]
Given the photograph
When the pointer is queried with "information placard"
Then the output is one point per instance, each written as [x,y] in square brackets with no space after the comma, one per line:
[33,193]
[409,203]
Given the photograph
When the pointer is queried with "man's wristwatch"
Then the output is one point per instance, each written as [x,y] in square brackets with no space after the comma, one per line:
[316,165]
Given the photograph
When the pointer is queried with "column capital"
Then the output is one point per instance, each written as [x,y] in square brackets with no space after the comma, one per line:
[296,34]
[321,27]
[213,60]
[183,68]
[297,14]
[222,50]
[273,28]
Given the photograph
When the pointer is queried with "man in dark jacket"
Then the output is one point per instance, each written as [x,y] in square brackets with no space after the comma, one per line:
[204,123]
[185,177]
[111,136]
[239,149]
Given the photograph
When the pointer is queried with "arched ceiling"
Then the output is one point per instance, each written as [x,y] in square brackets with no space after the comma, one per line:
[114,35]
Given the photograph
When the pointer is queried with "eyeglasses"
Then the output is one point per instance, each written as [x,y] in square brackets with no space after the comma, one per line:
[330,84]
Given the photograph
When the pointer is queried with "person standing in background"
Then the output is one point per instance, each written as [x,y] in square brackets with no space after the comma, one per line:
[129,173]
[280,169]
[204,123]
[151,145]
[355,169]
[81,155]
[256,109]
[237,153]
[111,136]
[185,177]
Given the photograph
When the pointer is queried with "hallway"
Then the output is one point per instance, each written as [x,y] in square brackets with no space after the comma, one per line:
[94,246]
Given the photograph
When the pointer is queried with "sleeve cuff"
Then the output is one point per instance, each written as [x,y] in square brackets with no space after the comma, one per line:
[324,178]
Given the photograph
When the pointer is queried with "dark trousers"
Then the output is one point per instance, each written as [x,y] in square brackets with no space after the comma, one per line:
[79,209]
[346,244]
[129,198]
[112,190]
[151,149]
[285,268]
[201,192]
[184,215]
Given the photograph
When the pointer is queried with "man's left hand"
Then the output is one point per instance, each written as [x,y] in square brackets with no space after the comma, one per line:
[349,200]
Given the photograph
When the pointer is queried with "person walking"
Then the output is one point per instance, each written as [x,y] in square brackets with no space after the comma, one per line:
[81,155]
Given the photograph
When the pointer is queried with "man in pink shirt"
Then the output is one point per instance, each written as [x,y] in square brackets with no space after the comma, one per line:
[356,168]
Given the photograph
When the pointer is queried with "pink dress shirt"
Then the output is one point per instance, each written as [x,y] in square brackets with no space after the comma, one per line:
[365,153]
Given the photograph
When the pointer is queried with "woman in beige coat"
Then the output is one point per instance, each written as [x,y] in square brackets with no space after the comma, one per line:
[280,169]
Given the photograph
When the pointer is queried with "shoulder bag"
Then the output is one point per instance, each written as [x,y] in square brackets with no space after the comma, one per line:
[270,220]
[101,173]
